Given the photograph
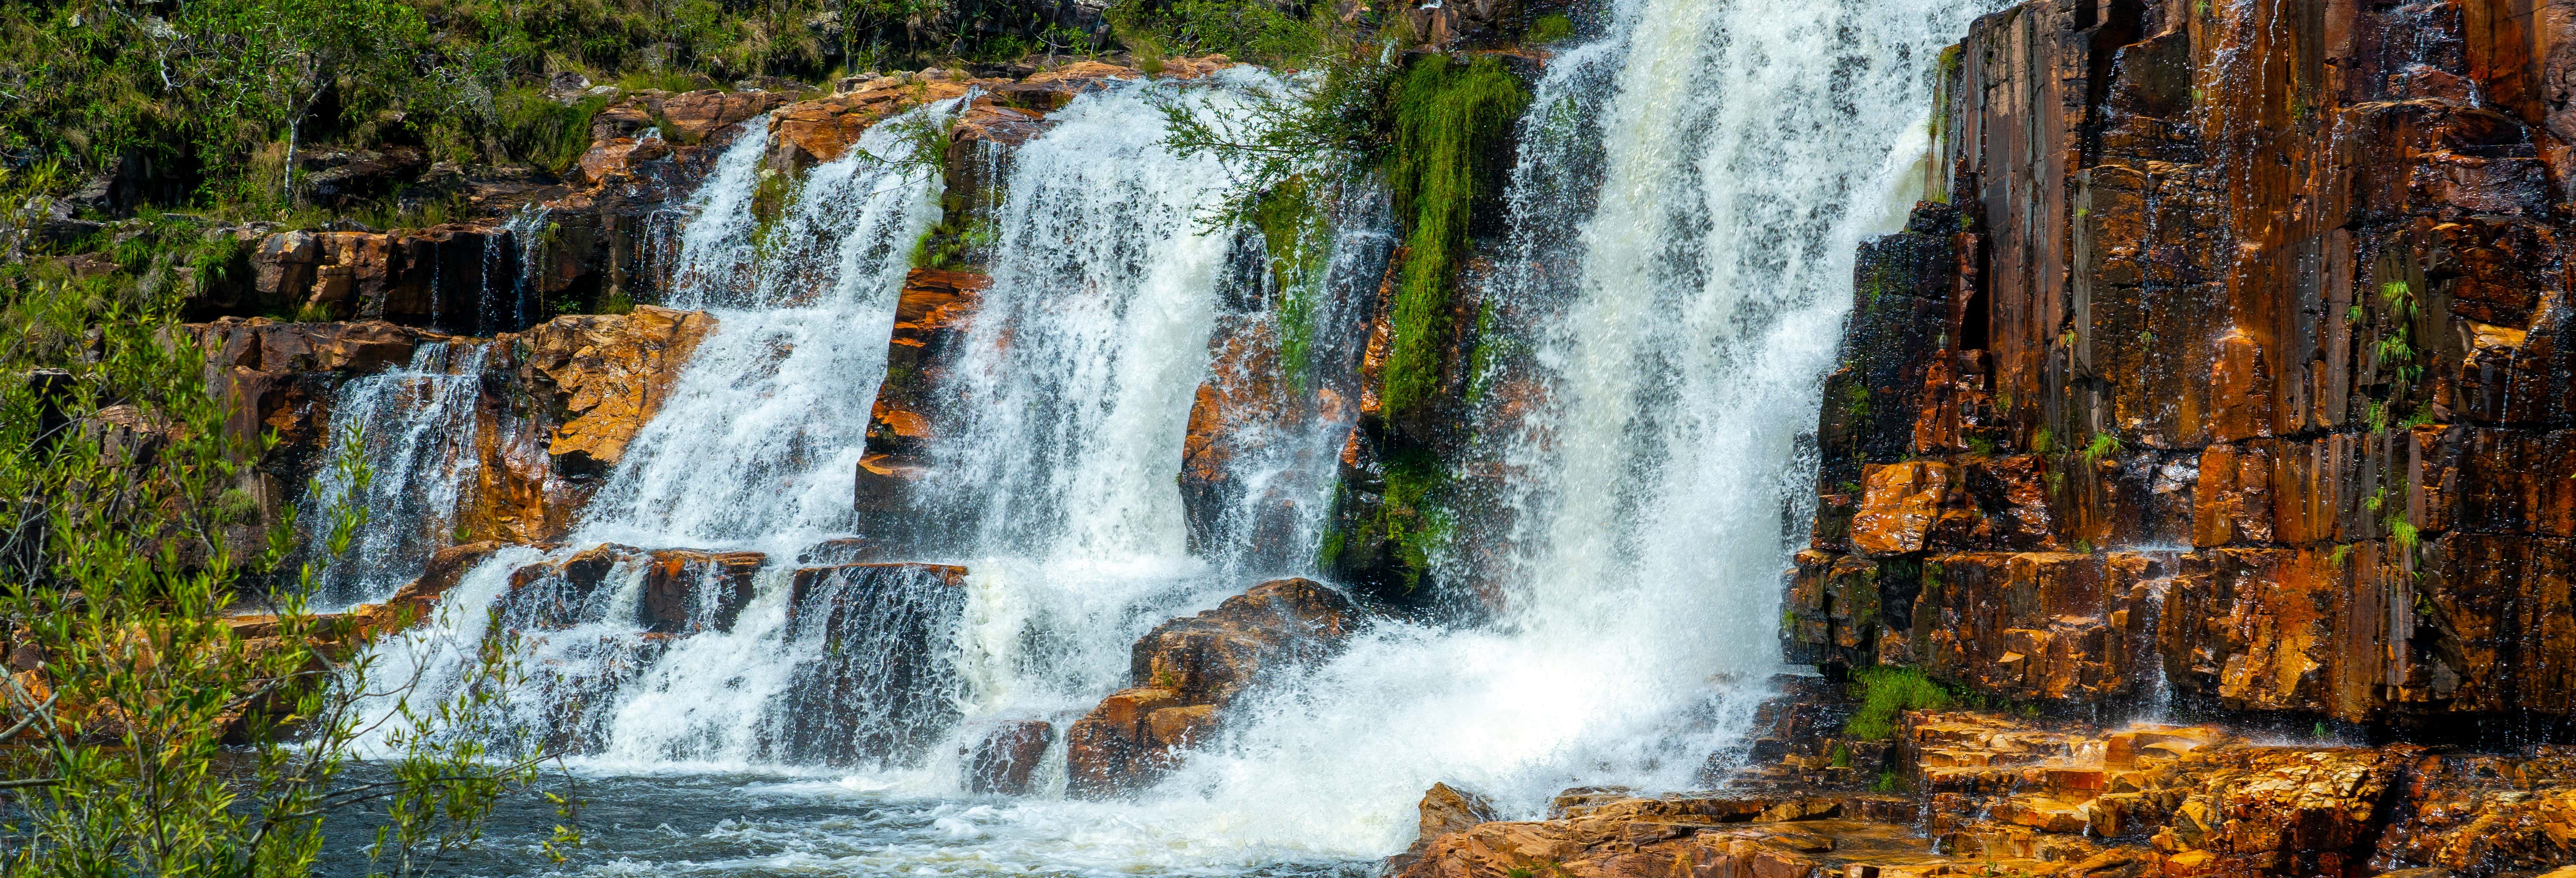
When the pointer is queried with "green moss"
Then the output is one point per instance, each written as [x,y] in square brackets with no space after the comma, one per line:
[1408,519]
[1549,29]
[1450,120]
[1856,401]
[2040,442]
[1296,239]
[1884,693]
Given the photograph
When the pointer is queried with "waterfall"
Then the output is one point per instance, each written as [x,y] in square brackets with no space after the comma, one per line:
[763,429]
[1079,371]
[1688,197]
[1069,402]
[1690,189]
[1075,393]
[417,431]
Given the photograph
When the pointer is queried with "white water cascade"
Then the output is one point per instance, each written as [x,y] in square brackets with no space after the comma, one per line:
[1705,171]
[416,428]
[756,445]
[1690,191]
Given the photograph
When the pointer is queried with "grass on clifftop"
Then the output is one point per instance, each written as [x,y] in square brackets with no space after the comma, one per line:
[1886,693]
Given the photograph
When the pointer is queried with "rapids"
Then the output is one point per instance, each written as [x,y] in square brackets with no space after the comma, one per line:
[1682,219]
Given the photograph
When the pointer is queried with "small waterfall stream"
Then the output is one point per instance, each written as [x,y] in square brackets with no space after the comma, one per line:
[418,432]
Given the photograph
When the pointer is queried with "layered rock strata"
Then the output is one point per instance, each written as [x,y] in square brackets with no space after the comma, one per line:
[1981,793]
[2233,358]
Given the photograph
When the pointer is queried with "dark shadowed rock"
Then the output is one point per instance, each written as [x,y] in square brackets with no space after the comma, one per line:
[1001,761]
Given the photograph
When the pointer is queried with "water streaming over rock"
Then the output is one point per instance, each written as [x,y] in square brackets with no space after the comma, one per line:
[1690,188]
[417,429]
[763,430]
[1689,191]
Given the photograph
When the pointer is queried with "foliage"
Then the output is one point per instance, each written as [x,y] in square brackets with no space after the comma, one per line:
[1247,30]
[1450,120]
[122,505]
[217,95]
[1886,692]
[535,129]
[2103,445]
[1549,29]
[1296,235]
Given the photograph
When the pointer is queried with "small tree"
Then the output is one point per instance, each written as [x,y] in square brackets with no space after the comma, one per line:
[115,578]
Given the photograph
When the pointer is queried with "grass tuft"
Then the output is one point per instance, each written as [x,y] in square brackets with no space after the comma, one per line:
[1887,692]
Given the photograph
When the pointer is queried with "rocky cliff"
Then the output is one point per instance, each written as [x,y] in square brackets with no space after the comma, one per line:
[2233,358]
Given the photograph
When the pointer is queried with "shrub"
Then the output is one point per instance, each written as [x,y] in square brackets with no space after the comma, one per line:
[1884,693]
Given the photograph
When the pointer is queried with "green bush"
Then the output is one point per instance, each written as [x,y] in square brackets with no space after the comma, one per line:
[1886,692]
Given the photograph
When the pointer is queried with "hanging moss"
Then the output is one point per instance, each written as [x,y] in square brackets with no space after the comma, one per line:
[1450,122]
[1295,236]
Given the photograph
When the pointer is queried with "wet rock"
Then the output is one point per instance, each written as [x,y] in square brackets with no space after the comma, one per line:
[565,592]
[1248,410]
[445,277]
[687,591]
[880,688]
[2280,425]
[932,317]
[417,599]
[1001,762]
[1445,810]
[609,374]
[1186,670]
[832,552]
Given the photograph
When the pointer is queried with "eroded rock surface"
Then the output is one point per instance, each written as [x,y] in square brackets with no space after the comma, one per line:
[2263,402]
[1187,670]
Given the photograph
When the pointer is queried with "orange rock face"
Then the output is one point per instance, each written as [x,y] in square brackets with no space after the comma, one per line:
[2286,378]
[812,132]
[610,374]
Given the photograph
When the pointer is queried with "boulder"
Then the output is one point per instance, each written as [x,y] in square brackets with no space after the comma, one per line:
[609,374]
[1186,670]
[1001,762]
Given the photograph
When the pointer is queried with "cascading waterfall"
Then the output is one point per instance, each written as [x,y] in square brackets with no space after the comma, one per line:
[417,431]
[1705,171]
[1076,390]
[753,450]
[1690,190]
[759,438]
[1074,387]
